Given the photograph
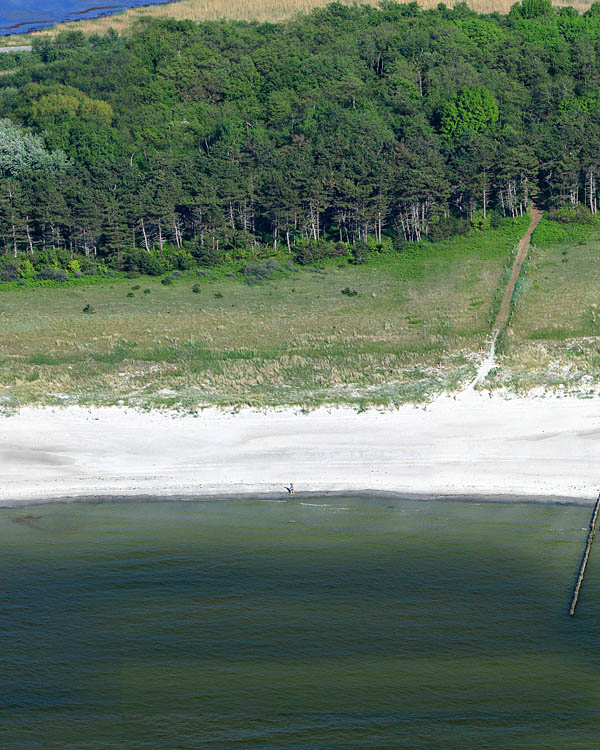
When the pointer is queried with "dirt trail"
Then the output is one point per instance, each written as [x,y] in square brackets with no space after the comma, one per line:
[522,249]
[504,313]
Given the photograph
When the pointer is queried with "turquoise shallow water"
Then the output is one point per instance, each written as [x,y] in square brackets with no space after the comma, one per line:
[335,624]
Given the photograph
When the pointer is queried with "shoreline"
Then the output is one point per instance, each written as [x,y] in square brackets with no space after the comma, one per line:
[31,27]
[299,499]
[472,446]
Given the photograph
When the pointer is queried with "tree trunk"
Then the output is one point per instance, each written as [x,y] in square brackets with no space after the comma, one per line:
[29,240]
[146,245]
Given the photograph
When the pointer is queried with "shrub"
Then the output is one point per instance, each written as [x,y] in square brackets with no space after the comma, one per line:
[52,274]
[26,269]
[56,257]
[443,227]
[136,287]
[532,8]
[88,266]
[258,270]
[88,309]
[349,292]
[359,253]
[569,215]
[166,281]
[400,243]
[178,257]
[130,294]
[146,291]
[136,261]
[495,219]
[196,289]
[219,295]
[308,252]
[208,254]
[10,272]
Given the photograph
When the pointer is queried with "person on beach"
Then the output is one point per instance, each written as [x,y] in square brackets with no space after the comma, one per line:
[290,489]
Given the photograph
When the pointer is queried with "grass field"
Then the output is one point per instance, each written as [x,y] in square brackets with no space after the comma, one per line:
[243,10]
[554,338]
[417,326]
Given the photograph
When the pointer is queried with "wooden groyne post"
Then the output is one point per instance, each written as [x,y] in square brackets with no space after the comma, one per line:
[586,554]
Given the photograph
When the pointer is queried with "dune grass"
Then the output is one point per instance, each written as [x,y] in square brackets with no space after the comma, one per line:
[554,338]
[242,10]
[417,326]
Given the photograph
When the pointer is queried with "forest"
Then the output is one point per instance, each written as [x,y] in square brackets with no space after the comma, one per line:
[334,134]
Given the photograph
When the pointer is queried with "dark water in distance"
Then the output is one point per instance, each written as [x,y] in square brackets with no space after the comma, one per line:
[343,623]
[18,16]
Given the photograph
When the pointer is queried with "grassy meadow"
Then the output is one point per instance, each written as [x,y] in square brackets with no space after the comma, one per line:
[417,326]
[243,10]
[553,340]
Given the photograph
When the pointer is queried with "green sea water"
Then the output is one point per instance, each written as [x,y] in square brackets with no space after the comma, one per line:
[333,623]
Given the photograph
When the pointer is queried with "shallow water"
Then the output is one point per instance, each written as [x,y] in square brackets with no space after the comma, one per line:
[326,624]
[17,16]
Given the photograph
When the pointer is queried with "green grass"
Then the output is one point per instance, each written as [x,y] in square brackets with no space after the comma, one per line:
[416,327]
[554,338]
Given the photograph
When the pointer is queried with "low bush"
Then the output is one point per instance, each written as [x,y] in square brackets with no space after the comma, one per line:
[26,269]
[360,252]
[444,227]
[572,215]
[308,252]
[9,272]
[52,274]
[258,271]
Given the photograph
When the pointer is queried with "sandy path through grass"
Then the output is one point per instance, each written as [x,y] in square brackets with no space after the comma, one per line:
[522,250]
[503,316]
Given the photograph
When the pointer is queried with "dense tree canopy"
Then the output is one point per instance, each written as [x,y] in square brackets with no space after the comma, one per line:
[209,140]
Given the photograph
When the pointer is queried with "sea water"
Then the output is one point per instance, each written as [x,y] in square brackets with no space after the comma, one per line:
[26,15]
[332,623]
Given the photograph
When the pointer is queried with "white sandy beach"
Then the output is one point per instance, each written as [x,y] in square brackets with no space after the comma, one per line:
[543,447]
